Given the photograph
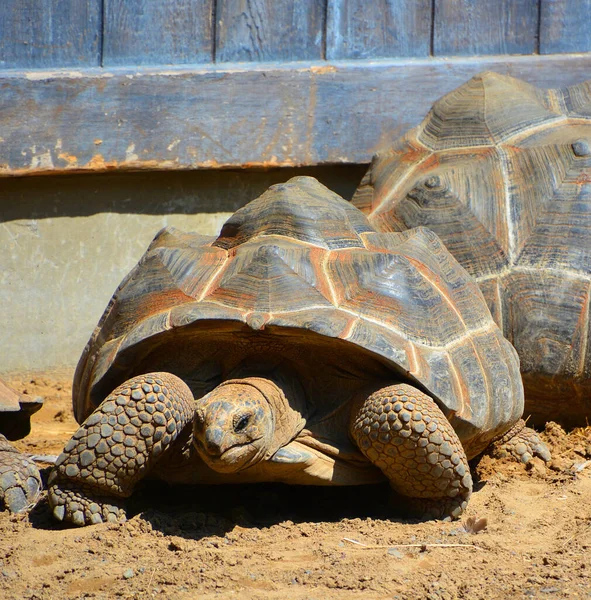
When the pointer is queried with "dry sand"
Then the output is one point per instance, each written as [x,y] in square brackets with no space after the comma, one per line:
[271,541]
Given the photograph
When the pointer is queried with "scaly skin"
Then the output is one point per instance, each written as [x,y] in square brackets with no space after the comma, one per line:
[20,481]
[521,442]
[402,431]
[116,446]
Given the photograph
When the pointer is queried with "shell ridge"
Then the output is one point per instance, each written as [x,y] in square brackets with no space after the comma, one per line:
[511,234]
[454,341]
[387,198]
[215,277]
[517,137]
[485,113]
[518,268]
[331,289]
[436,286]
[268,273]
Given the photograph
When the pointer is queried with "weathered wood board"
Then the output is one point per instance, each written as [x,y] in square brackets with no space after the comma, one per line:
[265,30]
[472,27]
[50,33]
[565,26]
[148,32]
[379,29]
[262,116]
[68,33]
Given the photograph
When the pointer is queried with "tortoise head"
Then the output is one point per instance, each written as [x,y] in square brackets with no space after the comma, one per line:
[234,425]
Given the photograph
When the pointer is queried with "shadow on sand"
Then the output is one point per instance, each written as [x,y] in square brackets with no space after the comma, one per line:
[196,512]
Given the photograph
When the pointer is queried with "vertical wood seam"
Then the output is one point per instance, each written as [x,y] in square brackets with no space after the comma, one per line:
[324,49]
[214,31]
[539,28]
[101,40]
[432,37]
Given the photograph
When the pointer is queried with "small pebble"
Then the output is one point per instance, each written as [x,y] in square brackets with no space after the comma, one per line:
[395,553]
[9,574]
[128,574]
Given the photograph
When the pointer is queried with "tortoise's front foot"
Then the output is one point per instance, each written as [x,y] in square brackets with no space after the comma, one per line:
[523,443]
[81,504]
[441,509]
[404,433]
[20,481]
[116,446]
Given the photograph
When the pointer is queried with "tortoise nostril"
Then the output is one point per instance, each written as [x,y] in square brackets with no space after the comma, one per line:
[213,441]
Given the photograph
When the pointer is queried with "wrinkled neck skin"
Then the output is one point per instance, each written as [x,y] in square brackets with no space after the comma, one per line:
[245,420]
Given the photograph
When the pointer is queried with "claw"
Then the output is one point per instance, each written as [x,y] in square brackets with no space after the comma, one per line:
[78,518]
[95,519]
[59,512]
[542,451]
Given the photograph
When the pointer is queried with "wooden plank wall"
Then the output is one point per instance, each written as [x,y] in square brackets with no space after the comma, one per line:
[86,33]
[378,29]
[473,27]
[184,84]
[269,30]
[565,26]
[146,32]
[50,33]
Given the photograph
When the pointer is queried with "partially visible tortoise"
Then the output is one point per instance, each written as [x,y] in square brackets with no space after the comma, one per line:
[501,172]
[299,346]
[20,482]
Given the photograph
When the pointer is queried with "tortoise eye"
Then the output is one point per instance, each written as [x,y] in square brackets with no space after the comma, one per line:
[241,423]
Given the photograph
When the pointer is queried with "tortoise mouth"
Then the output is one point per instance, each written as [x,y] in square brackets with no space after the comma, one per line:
[237,457]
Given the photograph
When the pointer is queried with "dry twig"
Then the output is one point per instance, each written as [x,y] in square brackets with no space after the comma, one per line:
[382,547]
[151,577]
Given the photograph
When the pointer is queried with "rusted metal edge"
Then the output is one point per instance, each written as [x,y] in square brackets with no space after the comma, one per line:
[235,116]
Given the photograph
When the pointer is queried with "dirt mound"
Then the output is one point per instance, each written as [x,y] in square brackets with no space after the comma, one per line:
[274,541]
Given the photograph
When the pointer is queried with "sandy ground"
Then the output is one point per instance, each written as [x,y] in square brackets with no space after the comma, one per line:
[271,541]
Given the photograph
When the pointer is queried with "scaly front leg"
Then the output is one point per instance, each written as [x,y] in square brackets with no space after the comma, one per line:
[20,481]
[116,447]
[404,433]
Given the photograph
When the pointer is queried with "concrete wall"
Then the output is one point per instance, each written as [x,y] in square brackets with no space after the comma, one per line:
[66,242]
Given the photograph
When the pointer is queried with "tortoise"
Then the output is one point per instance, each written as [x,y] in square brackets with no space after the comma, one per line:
[501,172]
[299,346]
[20,481]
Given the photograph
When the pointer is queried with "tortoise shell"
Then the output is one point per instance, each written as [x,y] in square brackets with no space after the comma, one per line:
[15,412]
[501,172]
[301,264]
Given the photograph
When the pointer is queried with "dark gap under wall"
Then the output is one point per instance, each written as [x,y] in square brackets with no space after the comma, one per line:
[155,193]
